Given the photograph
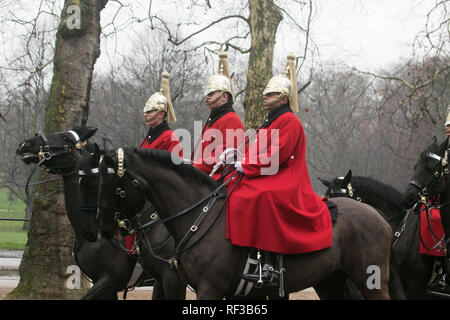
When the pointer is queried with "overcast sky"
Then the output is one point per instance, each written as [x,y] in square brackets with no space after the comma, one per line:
[370,35]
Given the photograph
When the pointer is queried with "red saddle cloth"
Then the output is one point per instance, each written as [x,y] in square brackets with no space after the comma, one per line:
[431,232]
[129,242]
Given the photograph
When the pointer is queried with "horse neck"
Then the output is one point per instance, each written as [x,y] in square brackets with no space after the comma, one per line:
[71,202]
[378,200]
[170,194]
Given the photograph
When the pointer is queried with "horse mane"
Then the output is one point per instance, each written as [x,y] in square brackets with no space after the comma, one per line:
[369,186]
[164,158]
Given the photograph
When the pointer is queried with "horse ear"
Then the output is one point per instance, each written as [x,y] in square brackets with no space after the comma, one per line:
[434,139]
[326,183]
[85,132]
[348,177]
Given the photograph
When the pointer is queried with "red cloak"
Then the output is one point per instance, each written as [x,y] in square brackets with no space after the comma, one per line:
[226,132]
[274,210]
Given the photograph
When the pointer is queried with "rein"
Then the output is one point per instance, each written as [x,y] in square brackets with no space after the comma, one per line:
[426,197]
[137,181]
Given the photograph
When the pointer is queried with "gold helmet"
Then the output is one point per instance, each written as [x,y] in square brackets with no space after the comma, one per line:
[285,85]
[220,81]
[447,122]
[161,100]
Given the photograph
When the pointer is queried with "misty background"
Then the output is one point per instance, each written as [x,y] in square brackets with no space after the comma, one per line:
[376,72]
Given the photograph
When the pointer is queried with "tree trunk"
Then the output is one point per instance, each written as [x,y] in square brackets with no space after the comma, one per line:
[264,20]
[48,253]
[28,211]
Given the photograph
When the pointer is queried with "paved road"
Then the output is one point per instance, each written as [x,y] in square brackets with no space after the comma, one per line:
[9,265]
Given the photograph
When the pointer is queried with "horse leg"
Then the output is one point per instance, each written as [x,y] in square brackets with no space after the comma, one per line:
[158,291]
[396,290]
[174,288]
[337,287]
[373,282]
[103,289]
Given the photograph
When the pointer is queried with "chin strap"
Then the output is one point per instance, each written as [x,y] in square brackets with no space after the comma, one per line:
[277,99]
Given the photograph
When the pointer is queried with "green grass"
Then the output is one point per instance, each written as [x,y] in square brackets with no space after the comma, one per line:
[11,234]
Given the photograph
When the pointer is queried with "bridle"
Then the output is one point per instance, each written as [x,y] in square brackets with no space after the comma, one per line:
[140,183]
[427,194]
[48,152]
[441,170]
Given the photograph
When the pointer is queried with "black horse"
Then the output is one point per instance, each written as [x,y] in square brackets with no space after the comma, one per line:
[151,240]
[361,238]
[430,186]
[102,261]
[414,269]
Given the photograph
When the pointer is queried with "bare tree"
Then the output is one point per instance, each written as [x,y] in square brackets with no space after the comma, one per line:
[120,95]
[257,20]
[49,248]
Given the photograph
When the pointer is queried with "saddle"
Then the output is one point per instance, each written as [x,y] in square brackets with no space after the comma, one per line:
[333,209]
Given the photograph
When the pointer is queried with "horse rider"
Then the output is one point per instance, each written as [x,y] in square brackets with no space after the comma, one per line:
[223,128]
[158,111]
[442,283]
[274,207]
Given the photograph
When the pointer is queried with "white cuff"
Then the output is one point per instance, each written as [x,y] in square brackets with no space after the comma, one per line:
[238,167]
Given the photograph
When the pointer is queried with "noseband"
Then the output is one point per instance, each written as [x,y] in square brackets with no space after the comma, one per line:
[48,152]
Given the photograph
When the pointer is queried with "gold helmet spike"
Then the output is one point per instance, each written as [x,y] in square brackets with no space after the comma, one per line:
[166,92]
[221,81]
[161,100]
[292,74]
[285,84]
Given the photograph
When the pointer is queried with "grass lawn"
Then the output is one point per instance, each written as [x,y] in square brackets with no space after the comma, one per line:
[11,234]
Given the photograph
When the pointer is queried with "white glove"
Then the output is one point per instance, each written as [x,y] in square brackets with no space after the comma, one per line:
[238,167]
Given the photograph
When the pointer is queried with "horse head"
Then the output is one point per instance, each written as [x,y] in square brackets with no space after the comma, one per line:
[54,151]
[427,179]
[339,187]
[121,193]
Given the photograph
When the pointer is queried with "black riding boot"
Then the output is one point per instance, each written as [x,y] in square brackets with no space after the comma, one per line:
[267,274]
[442,282]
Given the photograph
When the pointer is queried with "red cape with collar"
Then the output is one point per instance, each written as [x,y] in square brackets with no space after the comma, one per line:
[166,141]
[215,140]
[279,212]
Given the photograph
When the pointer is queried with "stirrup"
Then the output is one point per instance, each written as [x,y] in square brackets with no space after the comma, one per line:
[266,275]
[440,287]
